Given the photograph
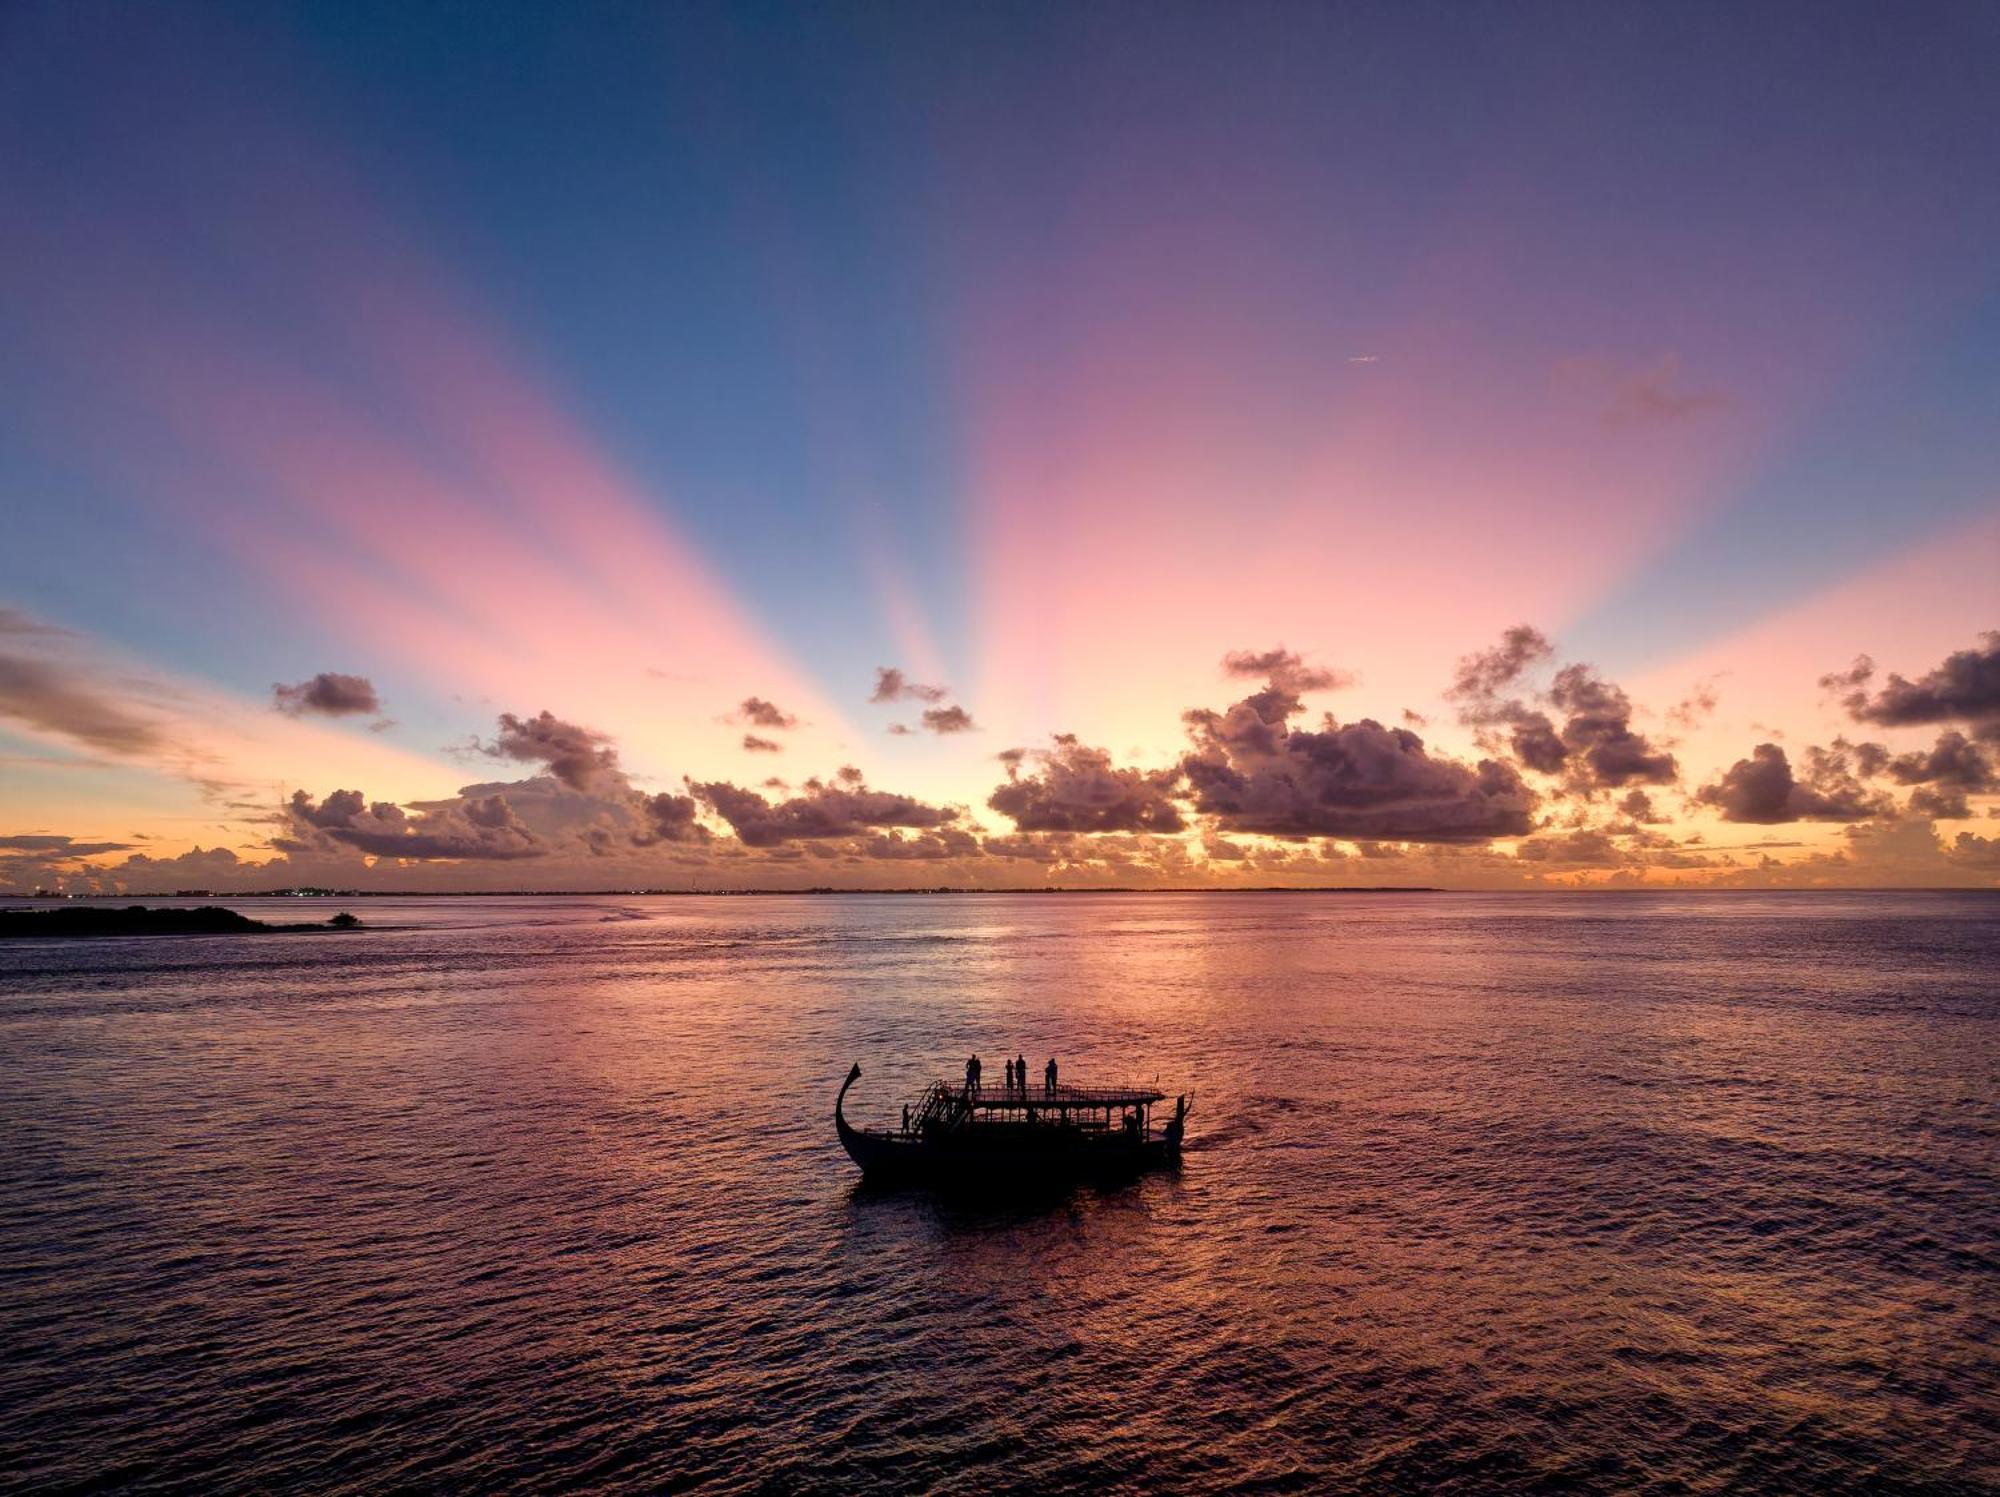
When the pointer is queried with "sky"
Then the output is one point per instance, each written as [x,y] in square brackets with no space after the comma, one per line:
[888,445]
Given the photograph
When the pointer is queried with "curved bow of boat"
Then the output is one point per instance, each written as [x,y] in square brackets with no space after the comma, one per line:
[841,1119]
[872,1151]
[839,1116]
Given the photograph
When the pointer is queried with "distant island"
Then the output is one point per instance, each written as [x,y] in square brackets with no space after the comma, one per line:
[138,920]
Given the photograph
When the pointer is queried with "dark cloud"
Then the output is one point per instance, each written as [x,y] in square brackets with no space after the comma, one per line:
[1639,806]
[757,745]
[1028,847]
[1254,773]
[928,847]
[608,819]
[56,847]
[1483,676]
[1953,760]
[43,696]
[1480,692]
[948,720]
[1594,744]
[843,808]
[1764,791]
[1075,788]
[891,685]
[1965,688]
[1598,733]
[583,805]
[755,712]
[1870,759]
[1976,852]
[1953,768]
[1537,744]
[1939,803]
[671,818]
[579,757]
[479,828]
[329,694]
[198,867]
[1587,847]
[612,829]
[1284,668]
[201,867]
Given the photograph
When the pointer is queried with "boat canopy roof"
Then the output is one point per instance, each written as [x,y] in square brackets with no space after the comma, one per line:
[995,1098]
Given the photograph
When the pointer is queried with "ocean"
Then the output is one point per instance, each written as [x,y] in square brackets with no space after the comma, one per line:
[1646,1192]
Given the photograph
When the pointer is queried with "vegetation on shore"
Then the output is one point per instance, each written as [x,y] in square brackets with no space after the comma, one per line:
[139,920]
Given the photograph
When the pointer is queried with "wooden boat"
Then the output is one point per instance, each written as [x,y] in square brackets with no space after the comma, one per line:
[1024,1134]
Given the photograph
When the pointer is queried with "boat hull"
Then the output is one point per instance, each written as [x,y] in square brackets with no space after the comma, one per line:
[885,1156]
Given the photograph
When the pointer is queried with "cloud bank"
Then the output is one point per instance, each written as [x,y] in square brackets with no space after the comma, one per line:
[1569,788]
[1965,688]
[841,807]
[1074,788]
[1763,789]
[1251,771]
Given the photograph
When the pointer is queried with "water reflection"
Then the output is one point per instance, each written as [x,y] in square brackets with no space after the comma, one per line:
[1497,1192]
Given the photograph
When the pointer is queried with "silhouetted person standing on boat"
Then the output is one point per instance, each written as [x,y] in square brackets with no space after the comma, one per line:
[1049,1077]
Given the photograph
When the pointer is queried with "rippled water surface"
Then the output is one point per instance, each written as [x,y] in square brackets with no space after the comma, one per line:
[1484,1193]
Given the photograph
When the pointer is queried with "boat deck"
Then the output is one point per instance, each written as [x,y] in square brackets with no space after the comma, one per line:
[999,1099]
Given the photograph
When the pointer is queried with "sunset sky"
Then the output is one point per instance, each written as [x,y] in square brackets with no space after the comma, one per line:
[488,447]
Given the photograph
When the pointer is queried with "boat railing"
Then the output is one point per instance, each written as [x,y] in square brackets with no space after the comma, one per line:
[1093,1107]
[1066,1094]
[939,1105]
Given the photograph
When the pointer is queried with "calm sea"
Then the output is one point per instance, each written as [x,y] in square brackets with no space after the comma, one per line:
[1659,1193]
